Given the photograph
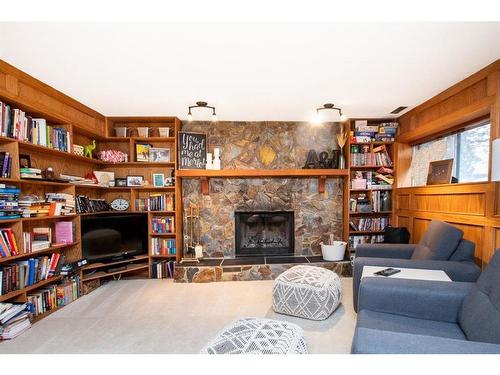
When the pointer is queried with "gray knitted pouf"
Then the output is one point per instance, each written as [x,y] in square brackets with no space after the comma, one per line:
[308,292]
[258,336]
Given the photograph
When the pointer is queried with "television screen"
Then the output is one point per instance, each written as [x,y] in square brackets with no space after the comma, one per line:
[113,237]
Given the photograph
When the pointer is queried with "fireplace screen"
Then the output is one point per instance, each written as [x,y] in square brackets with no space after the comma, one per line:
[264,233]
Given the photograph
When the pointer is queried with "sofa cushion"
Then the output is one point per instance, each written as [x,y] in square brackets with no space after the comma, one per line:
[439,242]
[480,314]
[464,252]
[399,323]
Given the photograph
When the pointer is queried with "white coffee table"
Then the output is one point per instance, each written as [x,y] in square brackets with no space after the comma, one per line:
[408,273]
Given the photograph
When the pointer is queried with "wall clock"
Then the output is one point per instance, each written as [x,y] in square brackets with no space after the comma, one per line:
[120,204]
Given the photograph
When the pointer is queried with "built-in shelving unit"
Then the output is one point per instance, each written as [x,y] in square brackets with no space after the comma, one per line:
[368,167]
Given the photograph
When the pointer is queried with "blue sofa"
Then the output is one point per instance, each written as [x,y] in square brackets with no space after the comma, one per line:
[441,248]
[427,317]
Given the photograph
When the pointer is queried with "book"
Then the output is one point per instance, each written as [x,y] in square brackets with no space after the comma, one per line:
[64,232]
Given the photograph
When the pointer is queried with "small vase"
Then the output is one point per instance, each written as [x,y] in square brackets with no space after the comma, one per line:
[341,161]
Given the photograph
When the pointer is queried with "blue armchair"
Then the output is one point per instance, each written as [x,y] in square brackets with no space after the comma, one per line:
[427,317]
[441,248]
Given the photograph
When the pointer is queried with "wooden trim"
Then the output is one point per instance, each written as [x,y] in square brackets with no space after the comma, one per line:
[259,173]
[448,123]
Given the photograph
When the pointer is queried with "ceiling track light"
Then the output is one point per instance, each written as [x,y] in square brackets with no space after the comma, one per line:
[332,107]
[201,105]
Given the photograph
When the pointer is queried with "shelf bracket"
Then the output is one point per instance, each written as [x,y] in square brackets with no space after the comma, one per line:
[204,185]
[321,184]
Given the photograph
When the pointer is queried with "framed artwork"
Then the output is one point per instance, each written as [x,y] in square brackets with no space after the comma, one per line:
[120,182]
[24,161]
[135,180]
[142,152]
[159,155]
[158,179]
[440,172]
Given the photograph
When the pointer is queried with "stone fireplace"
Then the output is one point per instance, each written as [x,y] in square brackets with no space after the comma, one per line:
[266,145]
[264,233]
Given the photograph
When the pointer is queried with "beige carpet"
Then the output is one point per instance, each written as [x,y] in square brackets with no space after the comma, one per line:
[158,316]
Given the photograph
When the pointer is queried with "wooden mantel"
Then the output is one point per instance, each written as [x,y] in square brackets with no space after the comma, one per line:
[204,175]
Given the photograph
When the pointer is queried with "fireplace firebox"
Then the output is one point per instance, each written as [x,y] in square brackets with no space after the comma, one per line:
[264,233]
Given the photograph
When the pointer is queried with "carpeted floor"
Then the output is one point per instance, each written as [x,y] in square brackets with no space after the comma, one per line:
[158,316]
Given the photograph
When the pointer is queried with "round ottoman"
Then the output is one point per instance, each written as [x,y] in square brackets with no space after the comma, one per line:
[258,336]
[307,292]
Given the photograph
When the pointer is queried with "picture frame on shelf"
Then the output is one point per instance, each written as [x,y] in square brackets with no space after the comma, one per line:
[135,181]
[120,182]
[440,172]
[142,152]
[24,161]
[169,181]
[159,155]
[158,180]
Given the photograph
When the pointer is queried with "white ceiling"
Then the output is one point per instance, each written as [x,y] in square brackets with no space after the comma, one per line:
[251,71]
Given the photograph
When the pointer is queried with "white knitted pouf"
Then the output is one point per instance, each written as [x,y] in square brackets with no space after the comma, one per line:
[308,292]
[258,336]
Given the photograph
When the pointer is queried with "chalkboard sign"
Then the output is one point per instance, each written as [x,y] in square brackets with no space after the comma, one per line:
[192,150]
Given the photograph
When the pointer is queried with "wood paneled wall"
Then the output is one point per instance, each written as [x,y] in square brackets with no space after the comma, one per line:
[35,97]
[472,207]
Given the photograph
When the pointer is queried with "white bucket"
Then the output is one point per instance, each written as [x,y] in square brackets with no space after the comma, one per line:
[121,131]
[164,132]
[333,252]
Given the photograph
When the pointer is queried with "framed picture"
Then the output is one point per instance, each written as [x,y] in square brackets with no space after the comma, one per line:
[142,152]
[158,179]
[440,172]
[159,155]
[135,180]
[120,182]
[24,161]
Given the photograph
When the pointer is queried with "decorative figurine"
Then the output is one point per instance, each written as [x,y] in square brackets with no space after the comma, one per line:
[210,164]
[216,162]
[87,150]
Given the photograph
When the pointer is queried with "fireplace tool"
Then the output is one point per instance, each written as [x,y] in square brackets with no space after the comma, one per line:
[192,247]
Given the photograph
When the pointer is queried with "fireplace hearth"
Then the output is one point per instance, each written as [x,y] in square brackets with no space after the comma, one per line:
[264,233]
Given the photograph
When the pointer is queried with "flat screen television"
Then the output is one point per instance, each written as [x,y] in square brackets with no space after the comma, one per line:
[110,238]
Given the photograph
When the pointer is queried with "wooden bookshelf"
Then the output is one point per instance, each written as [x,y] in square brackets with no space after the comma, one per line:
[83,125]
[368,191]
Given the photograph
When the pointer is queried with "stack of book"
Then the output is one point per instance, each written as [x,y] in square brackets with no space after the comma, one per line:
[14,320]
[365,133]
[18,125]
[38,239]
[53,297]
[60,203]
[163,269]
[33,206]
[5,164]
[31,173]
[9,202]
[8,244]
[162,225]
[155,202]
[163,246]
[85,204]
[20,274]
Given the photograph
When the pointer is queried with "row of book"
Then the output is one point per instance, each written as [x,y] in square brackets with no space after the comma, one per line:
[41,238]
[20,274]
[356,240]
[8,244]
[162,225]
[9,202]
[163,269]
[365,133]
[163,246]
[369,224]
[53,296]
[14,320]
[84,204]
[155,202]
[16,124]
[381,201]
[5,164]
[381,156]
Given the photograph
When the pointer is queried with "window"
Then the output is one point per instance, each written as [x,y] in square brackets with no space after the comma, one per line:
[469,149]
